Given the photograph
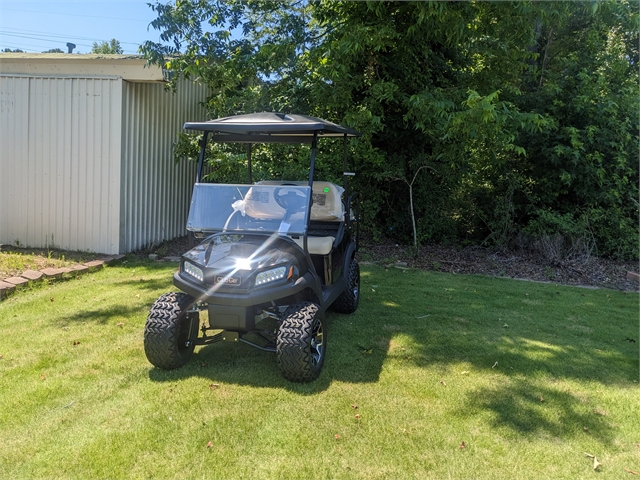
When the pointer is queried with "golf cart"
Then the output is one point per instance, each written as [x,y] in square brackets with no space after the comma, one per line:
[274,256]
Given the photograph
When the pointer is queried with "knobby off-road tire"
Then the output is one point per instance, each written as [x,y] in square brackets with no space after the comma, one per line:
[348,300]
[301,342]
[166,332]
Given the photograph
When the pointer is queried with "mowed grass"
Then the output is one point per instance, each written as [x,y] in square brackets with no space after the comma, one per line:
[435,376]
[14,260]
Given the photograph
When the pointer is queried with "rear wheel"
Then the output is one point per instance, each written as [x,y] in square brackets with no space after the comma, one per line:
[348,300]
[166,333]
[301,342]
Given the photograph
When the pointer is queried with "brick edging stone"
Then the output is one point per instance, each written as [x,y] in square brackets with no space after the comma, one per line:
[8,285]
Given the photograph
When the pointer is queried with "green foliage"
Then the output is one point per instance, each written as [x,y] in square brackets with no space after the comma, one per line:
[107,47]
[54,50]
[588,163]
[516,108]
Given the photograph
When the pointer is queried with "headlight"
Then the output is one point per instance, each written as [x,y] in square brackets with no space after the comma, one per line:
[194,271]
[270,275]
[243,264]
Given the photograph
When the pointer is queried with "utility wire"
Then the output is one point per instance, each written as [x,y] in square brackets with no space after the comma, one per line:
[44,39]
[46,35]
[72,14]
[29,48]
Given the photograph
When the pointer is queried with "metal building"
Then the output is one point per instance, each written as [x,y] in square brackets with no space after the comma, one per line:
[86,160]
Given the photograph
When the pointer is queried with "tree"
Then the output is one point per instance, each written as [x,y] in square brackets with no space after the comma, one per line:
[586,167]
[54,50]
[110,47]
[519,108]
[8,50]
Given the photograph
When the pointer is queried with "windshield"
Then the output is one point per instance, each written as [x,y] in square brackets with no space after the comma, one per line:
[249,208]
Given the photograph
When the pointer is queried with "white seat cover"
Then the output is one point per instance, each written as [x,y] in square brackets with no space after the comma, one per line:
[326,206]
[327,199]
[316,245]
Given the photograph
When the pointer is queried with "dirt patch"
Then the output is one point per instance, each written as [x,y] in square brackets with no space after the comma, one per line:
[522,265]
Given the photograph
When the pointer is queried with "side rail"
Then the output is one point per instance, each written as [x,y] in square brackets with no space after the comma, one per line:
[353,216]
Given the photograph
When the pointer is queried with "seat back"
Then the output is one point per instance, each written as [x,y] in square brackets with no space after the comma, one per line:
[259,203]
[327,200]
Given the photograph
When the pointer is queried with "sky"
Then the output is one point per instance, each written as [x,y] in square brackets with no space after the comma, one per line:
[37,26]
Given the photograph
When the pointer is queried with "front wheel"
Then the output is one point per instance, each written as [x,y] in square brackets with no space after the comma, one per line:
[301,342]
[348,300]
[167,331]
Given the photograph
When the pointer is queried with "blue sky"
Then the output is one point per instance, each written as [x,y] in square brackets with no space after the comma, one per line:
[36,26]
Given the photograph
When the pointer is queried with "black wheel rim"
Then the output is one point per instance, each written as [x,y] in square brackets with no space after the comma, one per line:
[317,343]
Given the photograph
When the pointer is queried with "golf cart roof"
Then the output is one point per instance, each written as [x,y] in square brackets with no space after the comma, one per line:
[270,127]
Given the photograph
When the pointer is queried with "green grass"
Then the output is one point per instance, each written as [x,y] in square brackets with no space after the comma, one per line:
[14,260]
[529,376]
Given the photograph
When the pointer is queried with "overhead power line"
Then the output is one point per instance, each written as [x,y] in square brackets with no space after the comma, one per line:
[74,15]
[26,47]
[49,36]
[44,39]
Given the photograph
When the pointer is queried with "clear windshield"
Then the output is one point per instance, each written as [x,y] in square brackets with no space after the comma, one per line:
[249,208]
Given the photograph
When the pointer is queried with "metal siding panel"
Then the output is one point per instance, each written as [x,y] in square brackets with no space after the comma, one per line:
[6,103]
[76,181]
[64,219]
[34,175]
[14,100]
[124,165]
[60,163]
[116,166]
[79,157]
[58,103]
[155,194]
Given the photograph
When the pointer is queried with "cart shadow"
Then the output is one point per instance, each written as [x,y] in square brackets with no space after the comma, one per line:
[240,364]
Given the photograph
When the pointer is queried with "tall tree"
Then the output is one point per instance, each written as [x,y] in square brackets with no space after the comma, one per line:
[517,108]
[108,47]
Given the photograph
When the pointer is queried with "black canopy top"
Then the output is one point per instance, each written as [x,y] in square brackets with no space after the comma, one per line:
[269,127]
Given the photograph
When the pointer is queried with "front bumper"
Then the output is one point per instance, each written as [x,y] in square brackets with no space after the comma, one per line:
[214,296]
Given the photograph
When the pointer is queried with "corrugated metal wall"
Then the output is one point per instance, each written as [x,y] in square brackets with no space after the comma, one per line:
[60,145]
[156,191]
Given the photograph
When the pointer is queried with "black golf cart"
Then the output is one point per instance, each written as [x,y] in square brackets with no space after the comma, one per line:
[274,256]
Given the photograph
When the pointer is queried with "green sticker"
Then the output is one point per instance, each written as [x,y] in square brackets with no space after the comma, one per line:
[326,189]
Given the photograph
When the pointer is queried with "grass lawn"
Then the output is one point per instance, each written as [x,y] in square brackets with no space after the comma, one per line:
[14,260]
[435,376]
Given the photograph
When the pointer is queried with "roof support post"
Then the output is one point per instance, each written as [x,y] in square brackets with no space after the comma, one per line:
[344,160]
[203,146]
[249,161]
[312,167]
[345,182]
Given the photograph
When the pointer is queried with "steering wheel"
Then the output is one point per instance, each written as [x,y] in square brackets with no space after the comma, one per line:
[292,201]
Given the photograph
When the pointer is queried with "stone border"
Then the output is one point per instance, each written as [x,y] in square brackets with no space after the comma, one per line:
[9,285]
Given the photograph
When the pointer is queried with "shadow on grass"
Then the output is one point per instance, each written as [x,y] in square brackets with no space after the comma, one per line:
[101,316]
[534,408]
[522,341]
[145,284]
[241,364]
[116,306]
